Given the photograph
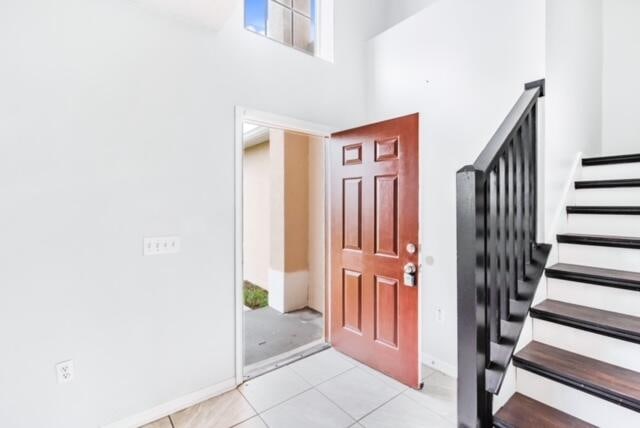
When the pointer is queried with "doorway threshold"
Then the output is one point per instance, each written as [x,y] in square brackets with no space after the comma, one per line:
[274,363]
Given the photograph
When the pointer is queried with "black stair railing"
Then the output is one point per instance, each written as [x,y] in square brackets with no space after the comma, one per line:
[499,259]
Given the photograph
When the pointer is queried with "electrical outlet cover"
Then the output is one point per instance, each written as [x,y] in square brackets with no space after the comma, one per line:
[65,371]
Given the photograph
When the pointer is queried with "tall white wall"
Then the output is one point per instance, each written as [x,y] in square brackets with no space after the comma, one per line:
[462,64]
[116,124]
[395,11]
[573,103]
[621,86]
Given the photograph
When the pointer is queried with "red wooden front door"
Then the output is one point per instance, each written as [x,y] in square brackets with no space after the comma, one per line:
[374,236]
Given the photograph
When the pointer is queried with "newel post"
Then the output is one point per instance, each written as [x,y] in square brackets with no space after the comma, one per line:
[474,403]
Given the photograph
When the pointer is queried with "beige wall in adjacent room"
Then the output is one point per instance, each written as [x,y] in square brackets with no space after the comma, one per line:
[256,200]
[316,244]
[276,199]
[296,212]
[295,186]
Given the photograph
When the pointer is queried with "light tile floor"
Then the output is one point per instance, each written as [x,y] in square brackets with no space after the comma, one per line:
[328,390]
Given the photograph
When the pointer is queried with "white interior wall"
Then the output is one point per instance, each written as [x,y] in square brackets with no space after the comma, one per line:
[621,86]
[395,11]
[573,104]
[119,124]
[476,57]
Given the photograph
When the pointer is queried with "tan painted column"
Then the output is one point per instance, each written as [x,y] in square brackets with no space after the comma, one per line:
[316,245]
[289,221]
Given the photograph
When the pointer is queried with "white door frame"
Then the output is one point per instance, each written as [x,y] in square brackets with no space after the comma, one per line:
[268,120]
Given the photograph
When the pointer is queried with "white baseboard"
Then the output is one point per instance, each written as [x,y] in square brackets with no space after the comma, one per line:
[439,365]
[173,406]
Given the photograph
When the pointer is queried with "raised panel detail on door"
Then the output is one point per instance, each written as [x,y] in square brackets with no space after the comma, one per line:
[386,215]
[352,214]
[352,300]
[352,155]
[386,311]
[373,315]
[387,149]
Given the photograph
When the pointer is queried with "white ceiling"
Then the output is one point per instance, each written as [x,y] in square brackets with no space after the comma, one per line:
[211,13]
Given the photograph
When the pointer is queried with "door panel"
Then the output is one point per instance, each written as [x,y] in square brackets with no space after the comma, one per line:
[352,300]
[352,213]
[374,215]
[386,215]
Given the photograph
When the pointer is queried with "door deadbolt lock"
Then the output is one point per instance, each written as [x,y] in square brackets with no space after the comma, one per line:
[410,275]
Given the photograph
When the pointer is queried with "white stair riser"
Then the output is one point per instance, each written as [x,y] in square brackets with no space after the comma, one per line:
[611,172]
[608,196]
[593,345]
[595,296]
[597,224]
[603,257]
[577,403]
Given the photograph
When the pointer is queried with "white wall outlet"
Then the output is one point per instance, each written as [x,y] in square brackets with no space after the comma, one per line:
[65,371]
[439,315]
[161,245]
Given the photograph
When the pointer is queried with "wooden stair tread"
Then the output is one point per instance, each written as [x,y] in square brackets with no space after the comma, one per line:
[599,184]
[524,412]
[612,383]
[620,326]
[609,210]
[610,160]
[594,275]
[599,240]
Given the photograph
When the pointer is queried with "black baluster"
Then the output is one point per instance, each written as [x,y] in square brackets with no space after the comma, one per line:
[534,174]
[503,271]
[511,221]
[526,202]
[492,252]
[518,203]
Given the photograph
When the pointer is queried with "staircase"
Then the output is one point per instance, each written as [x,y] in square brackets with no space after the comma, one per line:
[582,368]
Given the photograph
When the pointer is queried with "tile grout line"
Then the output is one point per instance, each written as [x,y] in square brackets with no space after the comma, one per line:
[254,409]
[357,420]
[373,410]
[398,395]
[311,386]
[285,400]
[289,366]
[433,371]
[424,406]
[356,365]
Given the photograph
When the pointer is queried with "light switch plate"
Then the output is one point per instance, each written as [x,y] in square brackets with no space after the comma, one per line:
[161,245]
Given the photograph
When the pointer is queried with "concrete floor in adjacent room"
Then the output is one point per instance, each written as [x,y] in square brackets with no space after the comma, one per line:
[269,333]
[326,390]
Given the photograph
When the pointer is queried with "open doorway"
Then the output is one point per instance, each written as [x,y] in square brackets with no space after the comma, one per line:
[283,245]
[327,235]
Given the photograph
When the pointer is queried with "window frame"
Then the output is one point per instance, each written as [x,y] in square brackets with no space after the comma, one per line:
[323,27]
